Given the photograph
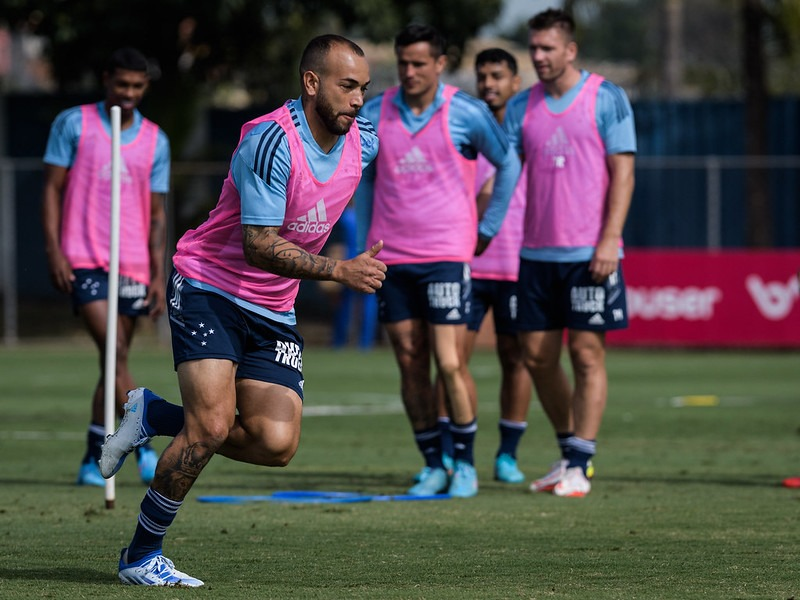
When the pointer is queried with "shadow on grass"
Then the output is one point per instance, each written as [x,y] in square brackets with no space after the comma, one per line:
[376,482]
[309,480]
[54,573]
[763,480]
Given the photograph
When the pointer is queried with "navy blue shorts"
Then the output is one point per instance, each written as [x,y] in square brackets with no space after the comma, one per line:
[562,295]
[208,325]
[92,284]
[435,292]
[501,298]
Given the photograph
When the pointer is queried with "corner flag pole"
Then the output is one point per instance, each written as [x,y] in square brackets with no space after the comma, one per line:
[110,404]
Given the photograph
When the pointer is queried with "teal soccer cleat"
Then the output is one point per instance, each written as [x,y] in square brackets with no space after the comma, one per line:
[89,474]
[506,470]
[465,481]
[435,482]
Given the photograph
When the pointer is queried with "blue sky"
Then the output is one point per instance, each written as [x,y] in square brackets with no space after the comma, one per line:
[518,11]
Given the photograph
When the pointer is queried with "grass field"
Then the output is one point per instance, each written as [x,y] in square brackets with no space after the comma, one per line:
[686,504]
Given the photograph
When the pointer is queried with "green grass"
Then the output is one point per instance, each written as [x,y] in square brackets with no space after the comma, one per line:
[686,504]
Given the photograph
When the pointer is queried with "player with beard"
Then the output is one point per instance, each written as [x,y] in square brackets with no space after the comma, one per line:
[577,133]
[231,295]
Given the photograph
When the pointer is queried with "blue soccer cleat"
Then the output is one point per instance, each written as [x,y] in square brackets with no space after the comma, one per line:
[89,474]
[465,481]
[447,461]
[153,569]
[435,482]
[506,470]
[147,459]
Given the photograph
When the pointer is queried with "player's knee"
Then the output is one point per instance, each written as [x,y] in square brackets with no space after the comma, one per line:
[538,362]
[210,433]
[283,458]
[449,367]
[279,453]
[587,359]
[277,446]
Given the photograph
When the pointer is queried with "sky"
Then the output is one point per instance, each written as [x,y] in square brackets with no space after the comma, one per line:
[515,12]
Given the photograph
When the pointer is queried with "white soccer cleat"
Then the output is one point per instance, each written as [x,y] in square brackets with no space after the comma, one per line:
[554,475]
[153,569]
[130,434]
[573,484]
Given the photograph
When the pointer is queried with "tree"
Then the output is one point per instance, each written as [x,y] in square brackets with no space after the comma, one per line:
[203,48]
[754,17]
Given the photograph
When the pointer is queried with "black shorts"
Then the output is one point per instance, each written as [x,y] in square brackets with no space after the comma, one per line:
[501,297]
[208,325]
[556,295]
[435,292]
[92,284]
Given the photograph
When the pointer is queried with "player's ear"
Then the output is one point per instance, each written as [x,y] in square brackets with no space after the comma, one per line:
[311,83]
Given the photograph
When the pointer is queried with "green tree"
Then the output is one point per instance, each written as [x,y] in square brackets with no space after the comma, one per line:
[204,47]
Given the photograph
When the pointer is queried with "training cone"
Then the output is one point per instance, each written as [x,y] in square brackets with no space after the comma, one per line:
[792,482]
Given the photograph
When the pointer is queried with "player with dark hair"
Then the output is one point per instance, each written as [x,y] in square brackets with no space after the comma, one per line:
[494,274]
[576,132]
[419,198]
[237,351]
[76,215]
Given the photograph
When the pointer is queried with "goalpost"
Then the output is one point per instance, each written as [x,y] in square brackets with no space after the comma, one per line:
[110,410]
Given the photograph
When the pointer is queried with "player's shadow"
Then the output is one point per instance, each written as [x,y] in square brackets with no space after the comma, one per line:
[73,574]
[762,480]
[377,482]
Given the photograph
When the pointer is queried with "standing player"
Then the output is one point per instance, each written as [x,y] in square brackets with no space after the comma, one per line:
[494,275]
[237,351]
[76,216]
[420,200]
[576,132]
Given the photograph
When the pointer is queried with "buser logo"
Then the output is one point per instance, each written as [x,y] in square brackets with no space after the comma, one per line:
[314,221]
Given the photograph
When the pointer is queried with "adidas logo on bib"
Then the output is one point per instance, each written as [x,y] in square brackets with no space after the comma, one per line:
[314,221]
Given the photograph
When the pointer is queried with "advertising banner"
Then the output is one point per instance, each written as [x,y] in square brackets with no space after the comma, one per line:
[700,298]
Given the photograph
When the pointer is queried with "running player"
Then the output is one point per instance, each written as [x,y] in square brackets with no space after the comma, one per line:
[237,351]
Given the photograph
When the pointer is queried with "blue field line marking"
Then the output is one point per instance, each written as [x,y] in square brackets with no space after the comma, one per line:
[314,494]
[410,498]
[319,497]
[233,499]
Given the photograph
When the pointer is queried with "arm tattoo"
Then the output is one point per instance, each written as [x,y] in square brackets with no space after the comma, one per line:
[265,249]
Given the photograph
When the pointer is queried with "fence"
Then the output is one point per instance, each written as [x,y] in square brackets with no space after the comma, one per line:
[680,201]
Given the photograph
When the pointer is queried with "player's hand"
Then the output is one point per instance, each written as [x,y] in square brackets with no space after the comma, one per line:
[363,273]
[482,245]
[605,260]
[156,300]
[60,272]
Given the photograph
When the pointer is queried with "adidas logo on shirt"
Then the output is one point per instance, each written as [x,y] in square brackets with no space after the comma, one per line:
[558,147]
[124,173]
[314,221]
[413,162]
